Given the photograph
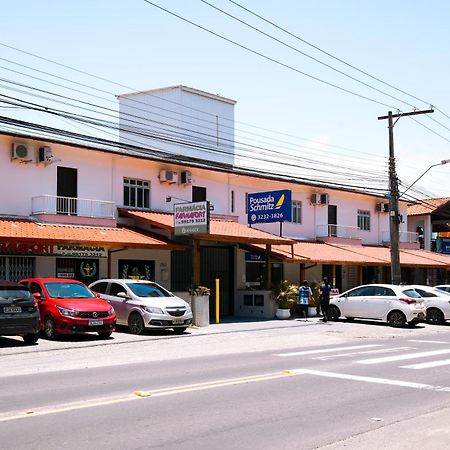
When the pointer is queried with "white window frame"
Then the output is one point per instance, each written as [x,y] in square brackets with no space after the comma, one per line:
[363,220]
[140,188]
[296,211]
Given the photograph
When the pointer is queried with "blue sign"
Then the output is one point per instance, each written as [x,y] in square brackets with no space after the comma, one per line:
[275,206]
[443,245]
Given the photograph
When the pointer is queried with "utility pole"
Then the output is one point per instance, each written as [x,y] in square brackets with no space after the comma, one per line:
[394,217]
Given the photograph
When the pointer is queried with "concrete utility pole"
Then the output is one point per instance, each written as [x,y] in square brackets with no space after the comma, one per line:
[394,217]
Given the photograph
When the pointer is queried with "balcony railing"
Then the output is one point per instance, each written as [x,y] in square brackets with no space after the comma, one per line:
[340,231]
[410,237]
[82,207]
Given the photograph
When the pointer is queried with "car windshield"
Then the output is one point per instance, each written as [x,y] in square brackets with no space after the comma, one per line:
[148,290]
[14,293]
[61,289]
[411,293]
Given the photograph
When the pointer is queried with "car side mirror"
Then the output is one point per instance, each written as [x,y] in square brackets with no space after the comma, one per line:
[97,295]
[123,295]
[37,296]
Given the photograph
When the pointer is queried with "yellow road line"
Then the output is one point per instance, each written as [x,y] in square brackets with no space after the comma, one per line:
[140,394]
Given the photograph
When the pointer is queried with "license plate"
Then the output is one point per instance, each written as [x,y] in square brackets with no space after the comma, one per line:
[178,321]
[95,322]
[12,309]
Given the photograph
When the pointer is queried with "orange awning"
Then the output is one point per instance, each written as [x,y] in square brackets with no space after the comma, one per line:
[13,230]
[220,230]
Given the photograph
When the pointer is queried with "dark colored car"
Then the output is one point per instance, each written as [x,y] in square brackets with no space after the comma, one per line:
[69,306]
[19,313]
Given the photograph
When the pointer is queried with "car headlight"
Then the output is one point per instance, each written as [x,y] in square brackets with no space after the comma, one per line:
[68,312]
[188,308]
[153,310]
[111,312]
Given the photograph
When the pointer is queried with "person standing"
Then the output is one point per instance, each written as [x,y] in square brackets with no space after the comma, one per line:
[304,297]
[325,289]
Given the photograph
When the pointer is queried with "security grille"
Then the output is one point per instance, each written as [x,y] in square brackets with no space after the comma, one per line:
[15,268]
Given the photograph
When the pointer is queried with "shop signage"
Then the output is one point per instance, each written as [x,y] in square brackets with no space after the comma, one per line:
[191,218]
[80,251]
[274,206]
[443,245]
[254,257]
[24,248]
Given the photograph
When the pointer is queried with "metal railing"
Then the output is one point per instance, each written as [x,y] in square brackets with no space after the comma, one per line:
[411,237]
[340,231]
[83,207]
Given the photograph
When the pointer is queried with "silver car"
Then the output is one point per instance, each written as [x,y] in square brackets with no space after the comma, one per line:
[142,304]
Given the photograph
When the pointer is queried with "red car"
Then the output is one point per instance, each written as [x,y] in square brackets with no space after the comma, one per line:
[68,306]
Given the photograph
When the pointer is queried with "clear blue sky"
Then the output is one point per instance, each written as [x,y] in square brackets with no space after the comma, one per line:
[405,43]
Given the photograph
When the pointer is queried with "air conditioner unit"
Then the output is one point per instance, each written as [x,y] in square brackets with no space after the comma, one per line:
[21,152]
[382,207]
[168,176]
[315,199]
[186,177]
[45,155]
[324,199]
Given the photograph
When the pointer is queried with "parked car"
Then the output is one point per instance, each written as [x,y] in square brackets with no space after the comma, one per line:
[19,313]
[142,304]
[387,302]
[437,303]
[443,287]
[67,306]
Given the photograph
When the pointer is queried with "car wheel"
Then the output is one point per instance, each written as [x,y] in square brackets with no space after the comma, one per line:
[49,328]
[333,313]
[179,330]
[31,339]
[396,319]
[136,323]
[435,316]
[105,334]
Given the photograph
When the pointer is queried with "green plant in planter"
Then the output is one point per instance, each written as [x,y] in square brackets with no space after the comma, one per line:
[199,291]
[285,295]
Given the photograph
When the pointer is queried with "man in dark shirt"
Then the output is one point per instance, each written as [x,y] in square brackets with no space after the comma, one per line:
[325,289]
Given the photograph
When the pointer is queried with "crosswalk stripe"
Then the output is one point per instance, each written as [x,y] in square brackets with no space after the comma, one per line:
[427,365]
[403,357]
[327,350]
[383,350]
[428,342]
[387,381]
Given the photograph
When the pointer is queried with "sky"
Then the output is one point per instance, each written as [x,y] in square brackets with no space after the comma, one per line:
[140,47]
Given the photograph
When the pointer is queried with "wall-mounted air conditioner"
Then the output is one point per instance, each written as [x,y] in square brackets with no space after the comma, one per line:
[315,199]
[324,199]
[382,207]
[185,177]
[168,176]
[21,153]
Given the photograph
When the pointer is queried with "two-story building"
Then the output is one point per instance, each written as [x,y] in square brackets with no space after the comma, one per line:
[85,208]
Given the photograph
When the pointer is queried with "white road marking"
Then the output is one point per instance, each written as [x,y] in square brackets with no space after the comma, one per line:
[383,350]
[427,365]
[403,357]
[343,376]
[428,342]
[327,350]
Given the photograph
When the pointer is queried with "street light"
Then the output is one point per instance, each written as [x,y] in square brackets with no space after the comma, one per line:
[444,161]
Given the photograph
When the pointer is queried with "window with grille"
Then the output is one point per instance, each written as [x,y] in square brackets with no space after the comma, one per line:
[15,268]
[296,211]
[364,220]
[136,193]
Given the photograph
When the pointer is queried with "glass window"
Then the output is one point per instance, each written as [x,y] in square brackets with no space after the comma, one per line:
[425,293]
[411,293]
[115,288]
[364,220]
[100,287]
[362,291]
[136,193]
[63,289]
[381,291]
[13,292]
[148,290]
[296,211]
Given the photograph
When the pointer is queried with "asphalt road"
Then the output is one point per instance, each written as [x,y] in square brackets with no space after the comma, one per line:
[246,386]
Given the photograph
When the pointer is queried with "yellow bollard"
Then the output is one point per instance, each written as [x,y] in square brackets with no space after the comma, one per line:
[217,300]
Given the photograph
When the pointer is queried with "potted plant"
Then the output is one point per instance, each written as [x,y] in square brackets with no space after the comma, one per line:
[200,305]
[313,306]
[285,295]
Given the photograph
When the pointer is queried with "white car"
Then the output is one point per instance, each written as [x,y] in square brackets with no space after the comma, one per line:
[437,303]
[142,304]
[443,287]
[387,302]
